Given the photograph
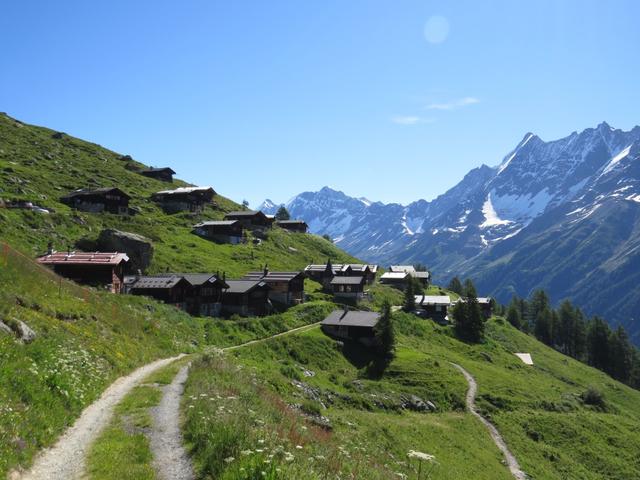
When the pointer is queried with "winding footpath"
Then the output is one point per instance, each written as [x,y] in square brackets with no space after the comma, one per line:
[66,459]
[512,463]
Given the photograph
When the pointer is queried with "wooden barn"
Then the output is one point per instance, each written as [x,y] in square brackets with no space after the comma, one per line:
[204,297]
[250,219]
[423,277]
[348,287]
[171,289]
[221,231]
[96,269]
[164,174]
[184,199]
[246,298]
[358,270]
[351,325]
[324,273]
[435,307]
[299,226]
[395,279]
[110,200]
[286,288]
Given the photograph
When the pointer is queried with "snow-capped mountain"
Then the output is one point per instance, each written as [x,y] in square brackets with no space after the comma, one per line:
[562,215]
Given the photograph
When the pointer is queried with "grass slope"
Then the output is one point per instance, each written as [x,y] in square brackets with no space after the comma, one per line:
[37,167]
[539,409]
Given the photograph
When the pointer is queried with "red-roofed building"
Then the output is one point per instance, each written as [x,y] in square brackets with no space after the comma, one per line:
[99,268]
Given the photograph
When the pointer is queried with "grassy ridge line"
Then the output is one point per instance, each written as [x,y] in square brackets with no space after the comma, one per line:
[37,167]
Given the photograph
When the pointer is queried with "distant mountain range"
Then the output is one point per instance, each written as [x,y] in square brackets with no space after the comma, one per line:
[561,215]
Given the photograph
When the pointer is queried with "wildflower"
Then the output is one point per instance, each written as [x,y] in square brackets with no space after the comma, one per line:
[246,452]
[421,456]
[229,459]
[299,447]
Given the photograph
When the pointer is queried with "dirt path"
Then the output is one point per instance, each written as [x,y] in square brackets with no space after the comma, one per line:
[170,459]
[66,459]
[512,463]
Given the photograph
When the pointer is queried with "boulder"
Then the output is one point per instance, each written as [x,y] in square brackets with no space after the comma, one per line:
[24,332]
[414,403]
[138,248]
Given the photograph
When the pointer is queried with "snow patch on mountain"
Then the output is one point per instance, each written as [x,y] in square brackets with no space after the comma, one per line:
[520,208]
[615,160]
[490,216]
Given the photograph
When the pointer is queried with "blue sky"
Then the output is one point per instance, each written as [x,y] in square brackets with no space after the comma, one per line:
[391,100]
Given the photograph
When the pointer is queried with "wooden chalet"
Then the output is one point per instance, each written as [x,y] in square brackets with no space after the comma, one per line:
[351,325]
[170,289]
[286,288]
[348,287]
[485,303]
[395,279]
[423,277]
[189,199]
[111,200]
[221,231]
[250,219]
[246,298]
[163,174]
[324,273]
[435,307]
[96,269]
[204,297]
[299,226]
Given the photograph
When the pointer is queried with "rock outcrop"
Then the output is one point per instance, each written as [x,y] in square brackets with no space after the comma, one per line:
[138,248]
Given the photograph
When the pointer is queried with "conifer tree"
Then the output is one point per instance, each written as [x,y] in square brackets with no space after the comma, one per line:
[513,315]
[455,285]
[620,355]
[468,318]
[598,343]
[384,332]
[542,328]
[282,214]
[409,297]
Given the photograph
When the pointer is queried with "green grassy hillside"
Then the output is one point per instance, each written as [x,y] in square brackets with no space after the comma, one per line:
[38,167]
[553,432]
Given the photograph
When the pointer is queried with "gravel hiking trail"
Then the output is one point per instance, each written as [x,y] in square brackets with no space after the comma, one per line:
[510,459]
[170,459]
[66,459]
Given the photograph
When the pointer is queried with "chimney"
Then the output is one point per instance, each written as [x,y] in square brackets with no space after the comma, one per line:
[266,270]
[49,248]
[345,310]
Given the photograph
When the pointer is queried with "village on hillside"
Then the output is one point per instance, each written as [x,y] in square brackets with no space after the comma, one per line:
[256,293]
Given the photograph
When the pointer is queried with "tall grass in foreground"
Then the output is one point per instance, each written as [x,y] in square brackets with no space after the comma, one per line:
[238,429]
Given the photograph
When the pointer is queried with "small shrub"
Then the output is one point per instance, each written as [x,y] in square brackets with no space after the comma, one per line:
[593,396]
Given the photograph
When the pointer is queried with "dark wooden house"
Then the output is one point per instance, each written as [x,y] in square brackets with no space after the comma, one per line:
[351,325]
[435,307]
[286,288]
[299,226]
[111,200]
[250,219]
[223,231]
[96,269]
[246,298]
[171,289]
[486,305]
[423,277]
[348,287]
[358,270]
[324,273]
[395,279]
[205,294]
[189,199]
[163,174]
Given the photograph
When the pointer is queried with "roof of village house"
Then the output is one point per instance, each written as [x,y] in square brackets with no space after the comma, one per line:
[338,267]
[432,300]
[85,192]
[291,222]
[402,268]
[158,170]
[245,213]
[197,279]
[272,276]
[347,280]
[480,300]
[184,190]
[352,319]
[244,286]
[154,282]
[83,258]
[421,274]
[394,276]
[217,223]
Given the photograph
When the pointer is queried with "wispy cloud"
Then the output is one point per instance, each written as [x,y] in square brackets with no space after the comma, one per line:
[454,104]
[410,119]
